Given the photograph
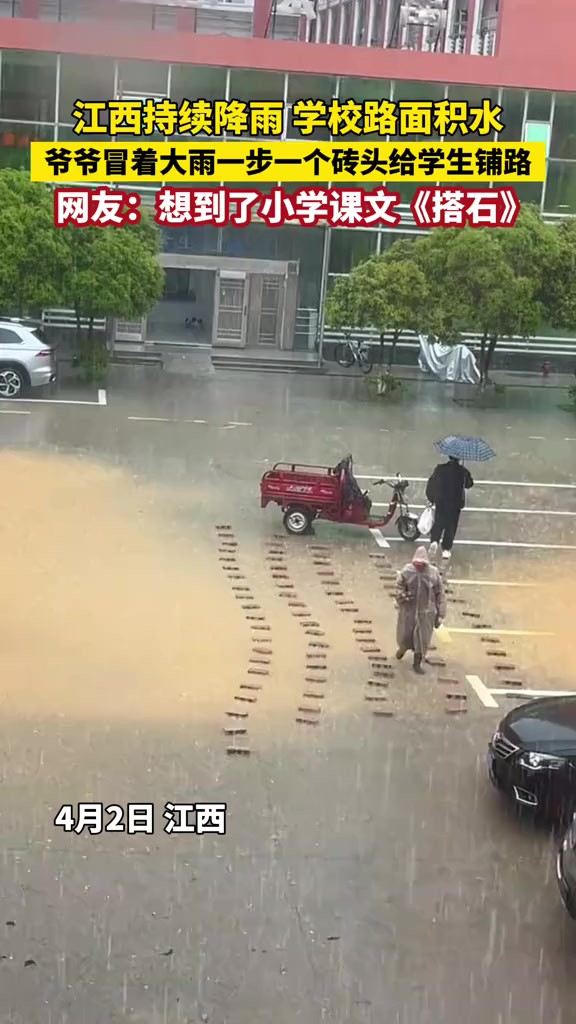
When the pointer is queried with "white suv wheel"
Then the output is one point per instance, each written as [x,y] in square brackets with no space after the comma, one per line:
[11,382]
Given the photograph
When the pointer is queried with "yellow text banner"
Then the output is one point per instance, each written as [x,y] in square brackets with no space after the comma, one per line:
[145,162]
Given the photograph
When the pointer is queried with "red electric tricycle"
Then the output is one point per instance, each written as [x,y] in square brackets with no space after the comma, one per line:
[305,493]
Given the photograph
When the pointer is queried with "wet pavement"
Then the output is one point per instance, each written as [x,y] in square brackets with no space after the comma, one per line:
[157,618]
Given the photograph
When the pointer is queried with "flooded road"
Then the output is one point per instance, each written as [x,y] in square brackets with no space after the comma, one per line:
[154,617]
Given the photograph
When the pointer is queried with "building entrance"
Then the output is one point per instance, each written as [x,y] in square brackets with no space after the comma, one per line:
[225,302]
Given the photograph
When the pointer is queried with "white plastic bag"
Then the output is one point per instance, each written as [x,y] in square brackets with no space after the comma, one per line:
[426,521]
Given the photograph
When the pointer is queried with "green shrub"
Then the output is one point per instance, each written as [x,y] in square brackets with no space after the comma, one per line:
[384,385]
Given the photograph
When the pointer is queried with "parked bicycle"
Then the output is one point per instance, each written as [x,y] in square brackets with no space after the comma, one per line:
[352,352]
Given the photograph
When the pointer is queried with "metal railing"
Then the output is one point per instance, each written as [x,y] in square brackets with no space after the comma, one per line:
[306,329]
[544,345]
[66,318]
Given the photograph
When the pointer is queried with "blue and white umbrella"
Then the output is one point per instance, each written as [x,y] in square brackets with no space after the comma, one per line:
[467,449]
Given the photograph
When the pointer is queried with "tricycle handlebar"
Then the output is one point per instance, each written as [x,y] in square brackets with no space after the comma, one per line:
[397,482]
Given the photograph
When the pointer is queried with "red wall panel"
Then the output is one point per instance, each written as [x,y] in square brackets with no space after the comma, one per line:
[536,50]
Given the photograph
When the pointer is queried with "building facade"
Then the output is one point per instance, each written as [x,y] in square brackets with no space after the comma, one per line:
[264,287]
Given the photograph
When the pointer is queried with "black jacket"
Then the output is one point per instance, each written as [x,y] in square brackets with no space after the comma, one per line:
[447,486]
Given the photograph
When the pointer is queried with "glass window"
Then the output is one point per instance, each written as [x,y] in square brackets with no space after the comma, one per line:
[256,85]
[417,92]
[560,195]
[265,187]
[201,239]
[479,186]
[563,141]
[143,78]
[82,79]
[539,104]
[8,337]
[347,23]
[66,133]
[304,245]
[538,131]
[388,237]
[164,19]
[378,23]
[191,82]
[474,97]
[293,186]
[318,135]
[368,186]
[15,142]
[528,191]
[10,9]
[361,89]
[349,247]
[512,114]
[28,86]
[311,87]
[407,189]
[321,20]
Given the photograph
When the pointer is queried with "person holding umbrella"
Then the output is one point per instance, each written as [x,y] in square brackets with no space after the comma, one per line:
[447,486]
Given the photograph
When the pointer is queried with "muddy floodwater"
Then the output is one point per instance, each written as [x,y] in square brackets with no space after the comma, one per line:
[106,612]
[154,619]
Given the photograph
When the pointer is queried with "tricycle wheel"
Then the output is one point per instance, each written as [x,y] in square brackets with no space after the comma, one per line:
[408,528]
[297,520]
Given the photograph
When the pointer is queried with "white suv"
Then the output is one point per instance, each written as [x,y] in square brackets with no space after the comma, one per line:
[26,361]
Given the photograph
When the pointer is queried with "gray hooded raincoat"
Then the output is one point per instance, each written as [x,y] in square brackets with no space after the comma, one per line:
[421,605]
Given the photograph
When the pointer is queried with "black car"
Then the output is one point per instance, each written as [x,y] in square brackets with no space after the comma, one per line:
[532,756]
[566,869]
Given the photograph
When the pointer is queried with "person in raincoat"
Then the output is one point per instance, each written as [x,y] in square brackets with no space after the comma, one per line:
[446,490]
[421,605]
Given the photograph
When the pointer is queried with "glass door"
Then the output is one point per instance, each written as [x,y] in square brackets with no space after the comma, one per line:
[231,309]
[270,311]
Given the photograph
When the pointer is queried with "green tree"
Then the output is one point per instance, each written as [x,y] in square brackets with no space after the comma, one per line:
[342,311]
[114,273]
[392,292]
[479,283]
[559,280]
[35,258]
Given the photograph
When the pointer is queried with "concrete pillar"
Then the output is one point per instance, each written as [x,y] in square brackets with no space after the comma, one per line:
[185,19]
[261,18]
[290,308]
[30,8]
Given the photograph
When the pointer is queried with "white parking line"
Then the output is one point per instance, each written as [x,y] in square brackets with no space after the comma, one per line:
[15,412]
[497,632]
[482,692]
[534,693]
[487,483]
[498,544]
[102,400]
[505,511]
[52,401]
[233,423]
[516,544]
[379,537]
[163,419]
[488,583]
